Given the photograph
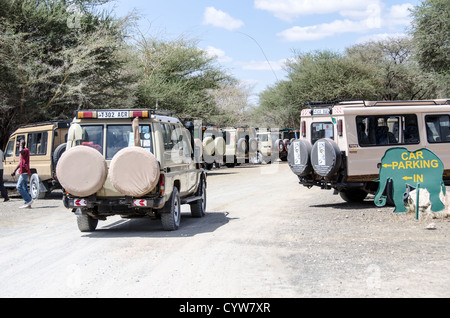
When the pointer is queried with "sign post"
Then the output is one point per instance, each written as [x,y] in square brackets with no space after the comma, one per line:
[419,169]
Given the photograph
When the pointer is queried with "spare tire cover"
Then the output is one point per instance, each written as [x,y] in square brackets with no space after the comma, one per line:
[134,171]
[208,146]
[81,171]
[242,145]
[299,157]
[326,157]
[219,144]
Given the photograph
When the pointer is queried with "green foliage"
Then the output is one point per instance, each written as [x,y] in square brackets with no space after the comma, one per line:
[55,58]
[176,76]
[431,32]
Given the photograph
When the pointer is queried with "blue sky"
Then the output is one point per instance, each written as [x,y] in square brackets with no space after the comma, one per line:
[252,38]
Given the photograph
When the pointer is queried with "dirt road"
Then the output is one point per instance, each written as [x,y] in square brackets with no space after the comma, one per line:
[264,236]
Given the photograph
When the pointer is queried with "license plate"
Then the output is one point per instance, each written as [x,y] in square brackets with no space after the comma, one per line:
[112,114]
[321,111]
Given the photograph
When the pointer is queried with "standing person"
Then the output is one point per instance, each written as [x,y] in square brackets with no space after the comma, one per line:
[24,172]
[3,191]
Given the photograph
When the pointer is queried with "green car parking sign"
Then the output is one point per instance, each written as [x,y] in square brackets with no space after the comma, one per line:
[418,169]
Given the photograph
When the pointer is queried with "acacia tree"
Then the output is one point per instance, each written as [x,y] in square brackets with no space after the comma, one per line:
[431,34]
[56,57]
[177,76]
[399,76]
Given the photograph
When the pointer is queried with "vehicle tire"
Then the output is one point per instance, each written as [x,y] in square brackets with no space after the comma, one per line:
[134,171]
[58,153]
[81,171]
[353,195]
[35,187]
[86,223]
[326,157]
[279,145]
[198,208]
[299,157]
[171,214]
[286,143]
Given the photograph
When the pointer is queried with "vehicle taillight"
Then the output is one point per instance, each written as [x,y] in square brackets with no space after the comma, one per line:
[139,113]
[303,129]
[339,127]
[86,114]
[161,185]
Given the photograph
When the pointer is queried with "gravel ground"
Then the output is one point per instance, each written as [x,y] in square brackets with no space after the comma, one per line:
[264,236]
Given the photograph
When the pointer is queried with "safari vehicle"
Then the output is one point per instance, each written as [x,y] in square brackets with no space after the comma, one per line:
[132,163]
[240,145]
[213,145]
[342,143]
[286,135]
[46,142]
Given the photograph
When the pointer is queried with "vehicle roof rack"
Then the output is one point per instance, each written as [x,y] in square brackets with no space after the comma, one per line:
[59,124]
[335,102]
[410,102]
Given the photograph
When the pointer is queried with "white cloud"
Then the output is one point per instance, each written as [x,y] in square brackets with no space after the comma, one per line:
[400,14]
[221,19]
[288,10]
[373,17]
[320,31]
[218,53]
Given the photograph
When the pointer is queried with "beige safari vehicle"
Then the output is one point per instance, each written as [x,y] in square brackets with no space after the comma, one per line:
[46,142]
[132,163]
[341,143]
[240,146]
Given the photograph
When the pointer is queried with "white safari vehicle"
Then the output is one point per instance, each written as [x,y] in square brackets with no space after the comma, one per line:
[341,143]
[131,163]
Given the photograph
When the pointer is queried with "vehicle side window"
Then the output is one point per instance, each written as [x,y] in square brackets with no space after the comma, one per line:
[167,136]
[438,128]
[387,130]
[10,148]
[321,130]
[18,139]
[37,143]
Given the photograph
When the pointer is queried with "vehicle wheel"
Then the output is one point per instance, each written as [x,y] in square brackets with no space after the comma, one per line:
[86,223]
[198,208]
[58,153]
[171,214]
[353,195]
[35,192]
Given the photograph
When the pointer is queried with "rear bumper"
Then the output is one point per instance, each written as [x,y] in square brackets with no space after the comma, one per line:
[114,204]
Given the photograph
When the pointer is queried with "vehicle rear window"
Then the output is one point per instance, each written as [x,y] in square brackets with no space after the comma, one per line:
[121,136]
[321,130]
[382,130]
[93,137]
[438,128]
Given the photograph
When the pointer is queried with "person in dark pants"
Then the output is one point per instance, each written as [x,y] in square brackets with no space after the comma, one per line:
[3,191]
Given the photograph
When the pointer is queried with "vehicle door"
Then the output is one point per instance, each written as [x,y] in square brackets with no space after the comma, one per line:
[12,158]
